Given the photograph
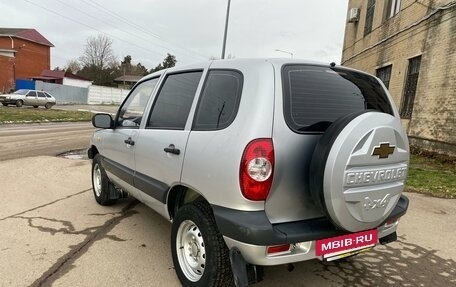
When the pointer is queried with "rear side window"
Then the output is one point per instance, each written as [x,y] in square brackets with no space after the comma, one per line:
[315,96]
[41,95]
[219,100]
[174,101]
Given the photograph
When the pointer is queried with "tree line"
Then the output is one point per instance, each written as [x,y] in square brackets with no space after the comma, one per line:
[99,64]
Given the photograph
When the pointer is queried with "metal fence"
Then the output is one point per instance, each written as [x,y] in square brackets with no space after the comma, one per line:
[64,94]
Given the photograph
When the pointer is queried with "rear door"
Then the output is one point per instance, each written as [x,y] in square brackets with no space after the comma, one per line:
[30,99]
[160,147]
[41,100]
[310,98]
[119,144]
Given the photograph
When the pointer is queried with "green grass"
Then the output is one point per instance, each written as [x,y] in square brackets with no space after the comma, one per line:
[432,176]
[11,114]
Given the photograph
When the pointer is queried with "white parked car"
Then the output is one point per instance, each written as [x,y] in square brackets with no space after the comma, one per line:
[28,98]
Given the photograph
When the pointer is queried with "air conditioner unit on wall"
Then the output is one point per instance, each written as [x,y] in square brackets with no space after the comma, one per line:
[353,15]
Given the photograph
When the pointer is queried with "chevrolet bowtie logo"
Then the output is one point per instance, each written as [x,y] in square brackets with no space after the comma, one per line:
[383,151]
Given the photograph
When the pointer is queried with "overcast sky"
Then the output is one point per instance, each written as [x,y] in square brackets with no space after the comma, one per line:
[192,30]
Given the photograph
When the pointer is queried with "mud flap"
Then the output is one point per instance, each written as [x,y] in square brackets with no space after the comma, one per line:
[116,193]
[388,239]
[244,273]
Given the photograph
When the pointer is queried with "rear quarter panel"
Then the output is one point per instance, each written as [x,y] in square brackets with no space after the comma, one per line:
[212,158]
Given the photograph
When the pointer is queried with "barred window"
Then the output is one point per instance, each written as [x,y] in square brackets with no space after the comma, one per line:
[411,83]
[369,16]
[384,74]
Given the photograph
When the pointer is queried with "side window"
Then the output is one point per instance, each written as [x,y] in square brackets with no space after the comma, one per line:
[392,7]
[132,110]
[384,74]
[174,101]
[31,94]
[41,95]
[219,101]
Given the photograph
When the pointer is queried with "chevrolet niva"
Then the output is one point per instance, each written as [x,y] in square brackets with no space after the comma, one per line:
[257,162]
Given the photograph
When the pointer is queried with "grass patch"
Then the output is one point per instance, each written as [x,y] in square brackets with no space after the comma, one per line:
[10,115]
[432,176]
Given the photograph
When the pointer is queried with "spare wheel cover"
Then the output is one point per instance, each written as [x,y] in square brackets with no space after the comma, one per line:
[358,169]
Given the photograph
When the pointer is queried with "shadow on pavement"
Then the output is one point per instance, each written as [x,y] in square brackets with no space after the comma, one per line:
[399,264]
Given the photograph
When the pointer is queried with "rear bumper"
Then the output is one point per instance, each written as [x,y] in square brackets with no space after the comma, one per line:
[252,232]
[253,227]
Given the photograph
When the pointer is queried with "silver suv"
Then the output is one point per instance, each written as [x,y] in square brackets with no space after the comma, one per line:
[256,163]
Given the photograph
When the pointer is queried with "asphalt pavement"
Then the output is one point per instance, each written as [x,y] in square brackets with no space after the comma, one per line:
[17,141]
[110,109]
[53,233]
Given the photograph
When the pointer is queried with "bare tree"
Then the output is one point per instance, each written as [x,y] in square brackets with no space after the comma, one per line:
[98,52]
[73,66]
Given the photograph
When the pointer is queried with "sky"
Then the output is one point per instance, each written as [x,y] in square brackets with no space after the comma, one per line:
[192,30]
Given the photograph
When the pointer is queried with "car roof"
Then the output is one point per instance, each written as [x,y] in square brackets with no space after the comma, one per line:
[276,62]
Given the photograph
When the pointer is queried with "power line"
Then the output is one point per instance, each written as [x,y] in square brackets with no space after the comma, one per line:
[124,31]
[138,27]
[123,19]
[93,28]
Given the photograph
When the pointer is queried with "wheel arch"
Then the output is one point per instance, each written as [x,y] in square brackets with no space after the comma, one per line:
[179,195]
[92,151]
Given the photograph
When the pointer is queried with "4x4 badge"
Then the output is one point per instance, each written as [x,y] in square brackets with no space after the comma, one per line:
[383,151]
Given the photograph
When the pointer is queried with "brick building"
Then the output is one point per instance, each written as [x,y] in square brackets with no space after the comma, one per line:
[411,46]
[23,53]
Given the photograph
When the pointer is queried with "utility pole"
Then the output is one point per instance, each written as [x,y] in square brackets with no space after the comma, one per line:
[226,28]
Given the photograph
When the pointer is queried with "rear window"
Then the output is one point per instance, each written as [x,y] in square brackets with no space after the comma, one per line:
[316,96]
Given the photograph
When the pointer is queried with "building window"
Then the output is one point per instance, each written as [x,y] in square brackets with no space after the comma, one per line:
[369,16]
[392,8]
[410,87]
[384,74]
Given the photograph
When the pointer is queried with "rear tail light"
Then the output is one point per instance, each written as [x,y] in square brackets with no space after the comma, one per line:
[256,170]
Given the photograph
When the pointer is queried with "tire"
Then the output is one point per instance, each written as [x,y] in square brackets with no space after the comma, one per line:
[36,107]
[100,183]
[19,103]
[48,105]
[5,105]
[195,238]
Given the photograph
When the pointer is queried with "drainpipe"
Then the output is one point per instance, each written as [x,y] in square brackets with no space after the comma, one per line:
[12,41]
[14,63]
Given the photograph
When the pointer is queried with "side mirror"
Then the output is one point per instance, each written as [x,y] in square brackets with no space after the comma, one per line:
[103,121]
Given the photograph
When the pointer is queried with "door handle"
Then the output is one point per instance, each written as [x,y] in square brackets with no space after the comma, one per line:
[172,149]
[129,141]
